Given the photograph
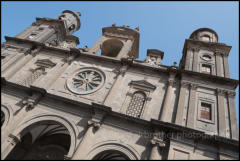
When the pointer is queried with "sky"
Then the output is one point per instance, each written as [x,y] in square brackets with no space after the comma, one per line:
[162,25]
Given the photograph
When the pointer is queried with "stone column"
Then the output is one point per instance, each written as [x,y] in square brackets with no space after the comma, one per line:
[195,59]
[181,102]
[168,99]
[125,49]
[92,127]
[221,113]
[232,116]
[8,145]
[226,66]
[191,107]
[96,46]
[157,147]
[219,71]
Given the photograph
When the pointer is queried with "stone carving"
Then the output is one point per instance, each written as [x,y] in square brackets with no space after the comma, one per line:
[136,105]
[231,93]
[221,91]
[45,63]
[13,139]
[96,125]
[143,84]
[86,81]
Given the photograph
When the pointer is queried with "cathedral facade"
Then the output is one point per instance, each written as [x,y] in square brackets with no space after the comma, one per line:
[63,102]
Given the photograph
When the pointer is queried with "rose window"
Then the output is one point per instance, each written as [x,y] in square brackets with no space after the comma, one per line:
[86,81]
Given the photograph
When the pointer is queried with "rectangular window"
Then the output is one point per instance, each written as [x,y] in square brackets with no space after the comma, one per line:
[206,69]
[205,111]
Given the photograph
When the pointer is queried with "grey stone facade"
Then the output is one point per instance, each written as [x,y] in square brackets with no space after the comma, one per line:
[63,102]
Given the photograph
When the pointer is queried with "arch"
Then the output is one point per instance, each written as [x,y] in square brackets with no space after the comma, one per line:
[113,145]
[8,114]
[22,128]
[111,47]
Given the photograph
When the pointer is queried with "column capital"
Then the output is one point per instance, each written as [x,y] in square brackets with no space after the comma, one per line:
[171,82]
[231,93]
[221,91]
[193,86]
[185,84]
[219,52]
[194,48]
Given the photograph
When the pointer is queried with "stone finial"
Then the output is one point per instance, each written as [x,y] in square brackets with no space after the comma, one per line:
[137,28]
[113,25]
[175,64]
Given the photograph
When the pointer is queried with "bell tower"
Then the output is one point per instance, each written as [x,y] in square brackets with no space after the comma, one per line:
[203,53]
[54,31]
[118,42]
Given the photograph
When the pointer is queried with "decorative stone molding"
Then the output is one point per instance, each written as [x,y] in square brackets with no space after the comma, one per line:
[67,157]
[195,48]
[96,125]
[45,63]
[185,84]
[28,104]
[158,141]
[193,86]
[171,82]
[13,139]
[143,84]
[221,91]
[231,93]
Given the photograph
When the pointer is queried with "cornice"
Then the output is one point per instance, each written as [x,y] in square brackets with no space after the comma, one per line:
[166,127]
[218,48]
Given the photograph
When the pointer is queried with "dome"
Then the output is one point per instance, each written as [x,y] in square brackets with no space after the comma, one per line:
[204,34]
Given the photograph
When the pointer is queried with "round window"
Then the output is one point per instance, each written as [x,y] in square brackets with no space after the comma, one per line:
[85,81]
[206,57]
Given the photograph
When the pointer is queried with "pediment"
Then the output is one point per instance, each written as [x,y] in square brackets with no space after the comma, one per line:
[45,63]
[144,84]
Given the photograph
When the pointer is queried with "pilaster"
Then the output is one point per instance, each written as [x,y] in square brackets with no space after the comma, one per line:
[233,117]
[192,107]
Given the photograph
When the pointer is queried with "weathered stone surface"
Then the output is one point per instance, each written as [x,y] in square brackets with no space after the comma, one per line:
[60,102]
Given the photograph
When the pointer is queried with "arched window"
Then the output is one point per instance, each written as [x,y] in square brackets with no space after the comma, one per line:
[111,47]
[136,105]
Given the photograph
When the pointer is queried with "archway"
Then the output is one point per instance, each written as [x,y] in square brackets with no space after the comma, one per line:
[44,140]
[111,155]
[111,47]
